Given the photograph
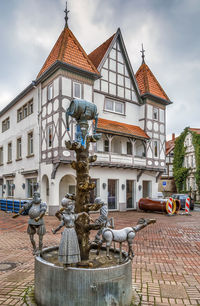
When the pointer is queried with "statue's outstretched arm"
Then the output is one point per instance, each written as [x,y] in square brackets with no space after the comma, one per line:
[19,213]
[54,231]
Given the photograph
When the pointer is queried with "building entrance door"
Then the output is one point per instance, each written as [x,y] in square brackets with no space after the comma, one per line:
[146,187]
[112,194]
[130,194]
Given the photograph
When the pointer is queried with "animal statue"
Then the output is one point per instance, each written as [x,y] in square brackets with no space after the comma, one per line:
[125,234]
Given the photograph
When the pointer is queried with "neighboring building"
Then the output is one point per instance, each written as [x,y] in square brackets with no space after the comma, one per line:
[189,162]
[132,120]
[166,182]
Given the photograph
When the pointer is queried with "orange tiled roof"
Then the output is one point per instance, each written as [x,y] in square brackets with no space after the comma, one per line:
[169,146]
[97,55]
[121,128]
[148,83]
[68,50]
[195,130]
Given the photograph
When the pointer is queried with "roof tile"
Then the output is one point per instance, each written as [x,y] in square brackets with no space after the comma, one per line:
[195,130]
[68,50]
[148,83]
[97,55]
[121,128]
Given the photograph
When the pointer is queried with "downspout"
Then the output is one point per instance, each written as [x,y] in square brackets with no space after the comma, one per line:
[39,134]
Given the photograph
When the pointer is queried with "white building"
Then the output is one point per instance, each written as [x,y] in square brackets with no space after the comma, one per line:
[132,120]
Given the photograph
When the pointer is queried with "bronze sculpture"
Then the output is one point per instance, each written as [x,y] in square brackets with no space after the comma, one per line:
[69,251]
[125,234]
[37,210]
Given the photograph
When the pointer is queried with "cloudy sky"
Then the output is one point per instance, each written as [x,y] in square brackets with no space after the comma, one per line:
[169,30]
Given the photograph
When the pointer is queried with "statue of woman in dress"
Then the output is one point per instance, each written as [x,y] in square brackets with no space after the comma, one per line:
[69,252]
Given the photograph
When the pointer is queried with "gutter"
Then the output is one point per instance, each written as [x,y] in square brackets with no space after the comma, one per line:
[65,66]
[155,98]
[121,133]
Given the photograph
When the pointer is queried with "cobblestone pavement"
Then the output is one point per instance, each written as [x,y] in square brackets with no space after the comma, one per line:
[166,266]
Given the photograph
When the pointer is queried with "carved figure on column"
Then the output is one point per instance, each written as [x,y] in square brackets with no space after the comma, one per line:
[36,210]
[83,111]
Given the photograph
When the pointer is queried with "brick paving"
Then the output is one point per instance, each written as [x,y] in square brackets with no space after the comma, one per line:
[166,266]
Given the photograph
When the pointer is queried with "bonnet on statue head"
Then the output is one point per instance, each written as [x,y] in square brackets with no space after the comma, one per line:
[99,201]
[66,202]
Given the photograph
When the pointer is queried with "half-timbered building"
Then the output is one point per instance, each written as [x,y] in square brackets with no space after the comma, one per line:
[132,120]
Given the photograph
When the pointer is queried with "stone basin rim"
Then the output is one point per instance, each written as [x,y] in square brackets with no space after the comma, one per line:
[53,248]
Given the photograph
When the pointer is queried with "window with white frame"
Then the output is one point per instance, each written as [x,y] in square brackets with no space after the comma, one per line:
[114,106]
[77,90]
[1,155]
[5,124]
[155,148]
[19,148]
[31,186]
[50,92]
[30,143]
[50,136]
[155,113]
[10,188]
[25,110]
[9,152]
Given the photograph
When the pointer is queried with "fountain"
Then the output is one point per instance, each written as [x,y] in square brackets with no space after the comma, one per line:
[103,275]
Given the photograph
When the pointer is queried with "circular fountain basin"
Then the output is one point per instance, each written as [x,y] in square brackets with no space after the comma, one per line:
[74,286]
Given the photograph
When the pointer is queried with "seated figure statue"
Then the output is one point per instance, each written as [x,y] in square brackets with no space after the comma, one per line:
[36,210]
[102,219]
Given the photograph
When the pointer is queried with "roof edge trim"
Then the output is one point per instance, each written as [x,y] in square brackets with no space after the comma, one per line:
[156,98]
[58,64]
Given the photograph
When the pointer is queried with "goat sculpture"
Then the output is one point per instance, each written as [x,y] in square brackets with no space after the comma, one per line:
[125,234]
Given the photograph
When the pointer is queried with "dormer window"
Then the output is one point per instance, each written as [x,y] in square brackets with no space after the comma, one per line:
[77,90]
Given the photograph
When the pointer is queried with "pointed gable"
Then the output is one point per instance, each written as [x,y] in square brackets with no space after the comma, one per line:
[148,83]
[97,55]
[112,61]
[68,50]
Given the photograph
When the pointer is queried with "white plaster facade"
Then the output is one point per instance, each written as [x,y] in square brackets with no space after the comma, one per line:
[190,162]
[116,168]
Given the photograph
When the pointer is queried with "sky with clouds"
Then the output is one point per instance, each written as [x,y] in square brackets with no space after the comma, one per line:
[169,30]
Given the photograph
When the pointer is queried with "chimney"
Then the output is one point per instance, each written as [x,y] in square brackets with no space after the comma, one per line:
[173,136]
